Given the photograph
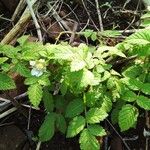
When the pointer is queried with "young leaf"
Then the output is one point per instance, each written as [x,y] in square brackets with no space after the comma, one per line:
[6,83]
[77,65]
[94,36]
[96,130]
[61,123]
[88,141]
[143,102]
[95,115]
[47,129]
[74,108]
[23,39]
[48,101]
[127,117]
[3,59]
[76,126]
[35,94]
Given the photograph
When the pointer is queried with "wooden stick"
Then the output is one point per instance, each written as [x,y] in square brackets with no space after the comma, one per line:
[26,16]
[35,20]
[6,113]
[18,10]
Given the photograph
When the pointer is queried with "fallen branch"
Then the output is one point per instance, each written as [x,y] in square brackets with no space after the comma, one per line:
[35,21]
[26,16]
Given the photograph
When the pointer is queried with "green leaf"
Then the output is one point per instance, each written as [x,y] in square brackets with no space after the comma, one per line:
[95,115]
[61,123]
[5,67]
[30,55]
[48,100]
[76,126]
[140,38]
[63,88]
[23,39]
[127,117]
[44,80]
[106,104]
[74,108]
[88,33]
[129,96]
[96,130]
[60,103]
[106,76]
[22,70]
[143,102]
[146,88]
[88,141]
[132,83]
[31,80]
[47,129]
[116,110]
[35,94]
[6,83]
[62,52]
[3,59]
[94,36]
[77,65]
[133,71]
[92,97]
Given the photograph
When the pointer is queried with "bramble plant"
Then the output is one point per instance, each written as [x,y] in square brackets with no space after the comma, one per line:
[79,86]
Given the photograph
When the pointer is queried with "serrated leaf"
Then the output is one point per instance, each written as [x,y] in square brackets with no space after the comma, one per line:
[74,108]
[35,94]
[106,104]
[31,80]
[116,110]
[95,115]
[88,141]
[60,103]
[77,65]
[94,36]
[133,71]
[76,126]
[140,38]
[47,129]
[87,33]
[48,100]
[6,83]
[3,59]
[44,80]
[132,83]
[106,76]
[143,102]
[115,73]
[5,67]
[96,130]
[146,88]
[92,97]
[30,55]
[22,40]
[61,123]
[22,70]
[127,117]
[63,88]
[129,96]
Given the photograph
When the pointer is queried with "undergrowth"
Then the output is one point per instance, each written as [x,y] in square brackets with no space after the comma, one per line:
[80,86]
